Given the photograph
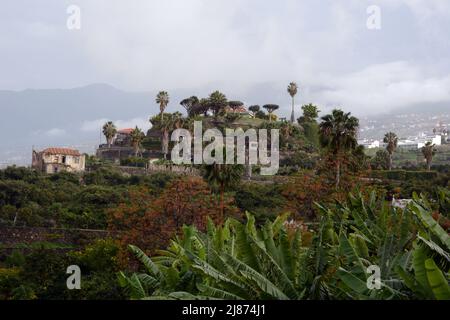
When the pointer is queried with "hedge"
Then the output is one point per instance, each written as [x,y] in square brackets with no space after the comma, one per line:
[404,175]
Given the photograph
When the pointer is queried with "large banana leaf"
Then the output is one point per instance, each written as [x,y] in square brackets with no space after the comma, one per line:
[147,262]
[430,224]
[438,283]
[353,282]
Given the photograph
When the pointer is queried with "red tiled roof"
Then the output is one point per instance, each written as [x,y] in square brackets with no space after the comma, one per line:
[64,151]
[240,109]
[125,131]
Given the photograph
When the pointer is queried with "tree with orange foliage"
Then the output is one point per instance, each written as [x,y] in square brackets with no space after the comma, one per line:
[149,222]
[303,190]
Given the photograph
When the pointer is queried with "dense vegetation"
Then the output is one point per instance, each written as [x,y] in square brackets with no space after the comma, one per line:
[285,260]
[310,232]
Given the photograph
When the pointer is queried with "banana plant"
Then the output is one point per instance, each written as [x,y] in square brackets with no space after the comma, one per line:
[243,260]
[431,256]
[168,275]
[369,233]
[233,261]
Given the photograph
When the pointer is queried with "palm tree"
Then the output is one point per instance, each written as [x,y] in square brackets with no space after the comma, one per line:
[177,120]
[292,90]
[136,139]
[217,102]
[271,108]
[428,152]
[338,132]
[166,125]
[162,98]
[221,177]
[202,107]
[391,141]
[109,130]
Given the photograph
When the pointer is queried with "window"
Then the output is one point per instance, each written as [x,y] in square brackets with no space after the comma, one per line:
[63,159]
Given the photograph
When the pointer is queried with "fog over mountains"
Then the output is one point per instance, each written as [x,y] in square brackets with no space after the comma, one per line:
[74,117]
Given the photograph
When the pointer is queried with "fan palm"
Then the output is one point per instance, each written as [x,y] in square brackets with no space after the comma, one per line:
[136,139]
[162,98]
[217,102]
[338,132]
[109,130]
[428,152]
[178,120]
[391,141]
[292,90]
[221,177]
[166,125]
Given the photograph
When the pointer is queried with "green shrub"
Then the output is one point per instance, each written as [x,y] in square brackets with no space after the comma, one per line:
[134,162]
[404,175]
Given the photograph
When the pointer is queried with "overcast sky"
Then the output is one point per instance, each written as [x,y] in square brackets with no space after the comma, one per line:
[241,47]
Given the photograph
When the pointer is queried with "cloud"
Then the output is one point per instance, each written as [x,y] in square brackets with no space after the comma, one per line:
[234,45]
[388,86]
[55,132]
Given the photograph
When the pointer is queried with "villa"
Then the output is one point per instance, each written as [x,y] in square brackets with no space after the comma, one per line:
[53,160]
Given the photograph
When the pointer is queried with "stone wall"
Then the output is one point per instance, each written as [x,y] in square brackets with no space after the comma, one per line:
[152,168]
[185,170]
[133,171]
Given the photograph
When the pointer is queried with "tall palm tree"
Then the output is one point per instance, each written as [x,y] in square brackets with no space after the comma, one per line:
[292,90]
[162,98]
[428,152]
[391,141]
[217,102]
[136,139]
[221,177]
[109,130]
[338,132]
[165,126]
[270,109]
